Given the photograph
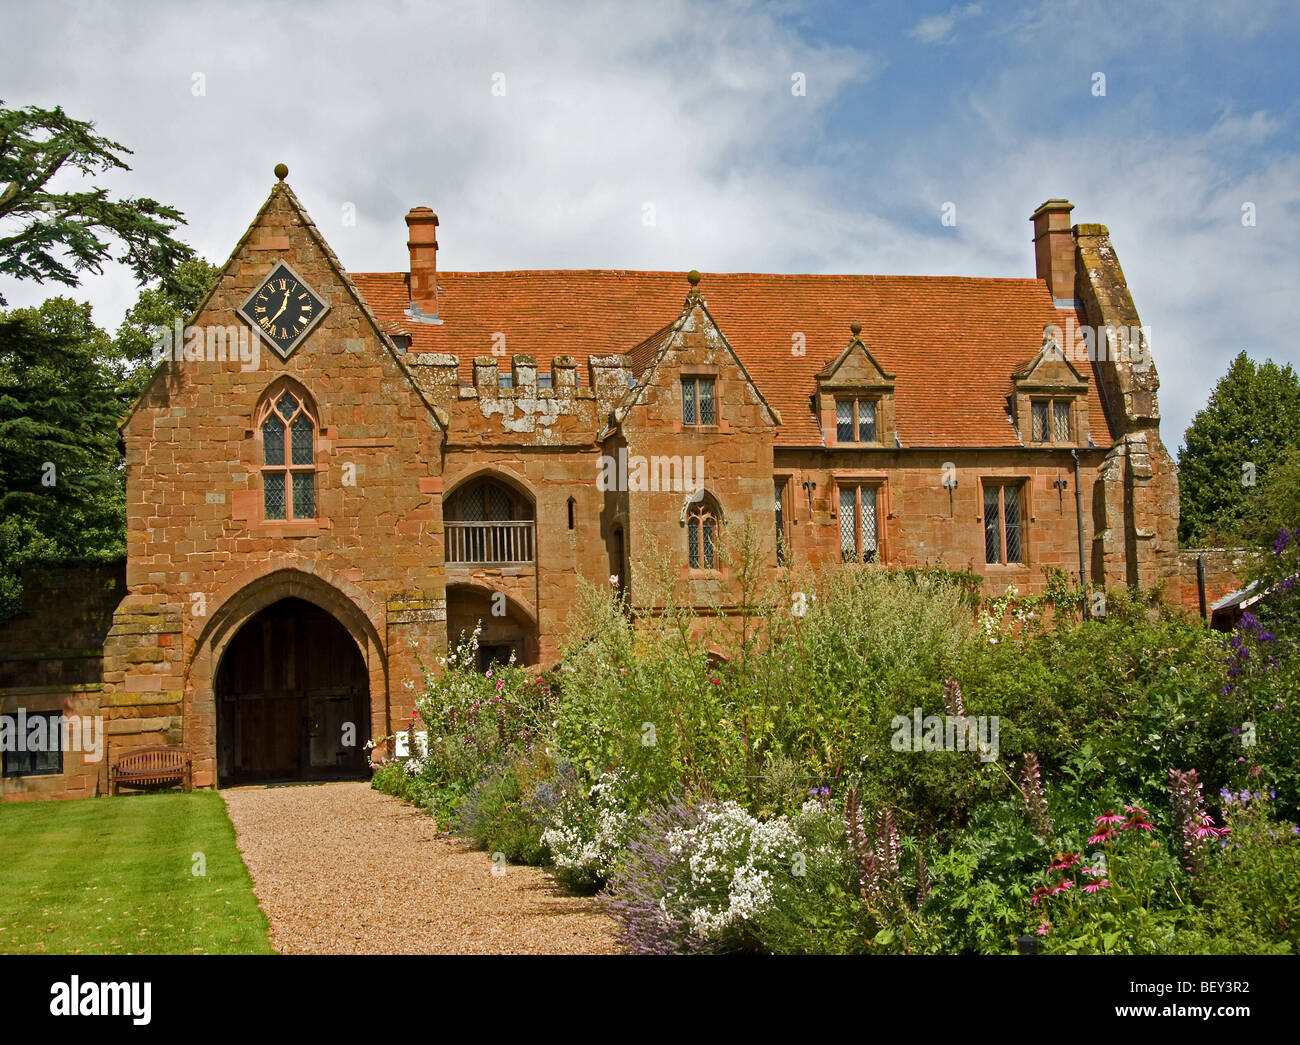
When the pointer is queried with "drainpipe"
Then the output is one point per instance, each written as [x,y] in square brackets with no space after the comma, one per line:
[1200,585]
[1078,510]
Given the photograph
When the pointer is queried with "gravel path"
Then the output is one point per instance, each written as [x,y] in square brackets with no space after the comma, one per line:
[342,869]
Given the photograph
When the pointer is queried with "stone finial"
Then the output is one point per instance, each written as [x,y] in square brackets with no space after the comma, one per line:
[856,328]
[281,171]
[693,277]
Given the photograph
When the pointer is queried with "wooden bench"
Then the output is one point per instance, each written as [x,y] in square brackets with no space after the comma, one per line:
[149,768]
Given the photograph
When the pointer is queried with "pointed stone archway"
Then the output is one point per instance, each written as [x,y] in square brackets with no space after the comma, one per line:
[293,698]
[339,674]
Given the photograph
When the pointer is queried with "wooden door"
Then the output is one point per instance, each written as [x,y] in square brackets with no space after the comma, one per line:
[292,694]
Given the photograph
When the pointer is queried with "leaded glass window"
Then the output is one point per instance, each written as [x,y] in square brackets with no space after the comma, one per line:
[992,524]
[859,530]
[301,433]
[1061,420]
[866,421]
[1050,420]
[697,401]
[273,441]
[304,495]
[781,550]
[706,402]
[844,420]
[855,420]
[1039,409]
[288,485]
[273,487]
[702,534]
[1003,524]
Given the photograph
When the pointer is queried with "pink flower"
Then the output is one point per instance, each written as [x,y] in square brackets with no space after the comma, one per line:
[1092,887]
[1137,818]
[1109,817]
[1102,836]
[1045,928]
[501,684]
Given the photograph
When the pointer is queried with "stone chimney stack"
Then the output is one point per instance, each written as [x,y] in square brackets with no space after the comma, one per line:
[422,241]
[1054,247]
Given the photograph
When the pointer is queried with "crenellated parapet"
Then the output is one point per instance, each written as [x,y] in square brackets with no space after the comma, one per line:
[523,402]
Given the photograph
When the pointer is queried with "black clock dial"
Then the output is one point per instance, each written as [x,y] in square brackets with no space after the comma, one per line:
[283,309]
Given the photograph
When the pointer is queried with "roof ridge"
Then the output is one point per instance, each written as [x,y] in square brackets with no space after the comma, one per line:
[672,273]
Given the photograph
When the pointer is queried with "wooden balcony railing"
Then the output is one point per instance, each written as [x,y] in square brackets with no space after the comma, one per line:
[490,543]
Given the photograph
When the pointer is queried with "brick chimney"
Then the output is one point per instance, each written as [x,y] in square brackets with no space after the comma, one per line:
[422,241]
[1053,247]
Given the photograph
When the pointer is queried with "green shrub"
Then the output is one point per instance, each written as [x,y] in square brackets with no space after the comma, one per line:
[500,813]
[1249,892]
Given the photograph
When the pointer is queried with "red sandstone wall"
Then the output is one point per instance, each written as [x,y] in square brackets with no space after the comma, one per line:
[50,660]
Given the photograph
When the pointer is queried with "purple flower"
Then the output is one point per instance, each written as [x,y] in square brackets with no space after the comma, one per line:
[1282,538]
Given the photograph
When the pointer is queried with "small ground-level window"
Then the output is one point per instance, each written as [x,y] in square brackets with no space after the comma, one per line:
[859,532]
[1003,524]
[782,548]
[31,743]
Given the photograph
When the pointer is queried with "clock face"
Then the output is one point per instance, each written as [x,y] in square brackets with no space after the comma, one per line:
[283,309]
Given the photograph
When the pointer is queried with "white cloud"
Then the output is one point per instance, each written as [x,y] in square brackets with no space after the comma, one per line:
[939,28]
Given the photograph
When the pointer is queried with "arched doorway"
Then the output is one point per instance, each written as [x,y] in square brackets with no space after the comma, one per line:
[293,698]
[506,627]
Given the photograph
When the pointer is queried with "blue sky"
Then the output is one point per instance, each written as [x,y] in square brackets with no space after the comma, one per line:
[688,107]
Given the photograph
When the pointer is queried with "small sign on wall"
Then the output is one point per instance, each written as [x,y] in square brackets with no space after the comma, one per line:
[402,744]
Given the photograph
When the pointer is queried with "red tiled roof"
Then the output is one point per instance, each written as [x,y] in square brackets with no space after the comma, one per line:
[953,342]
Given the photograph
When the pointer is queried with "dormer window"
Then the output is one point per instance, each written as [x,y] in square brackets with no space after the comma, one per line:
[1050,421]
[855,420]
[855,398]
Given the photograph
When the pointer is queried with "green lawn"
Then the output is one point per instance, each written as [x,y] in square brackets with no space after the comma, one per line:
[117,876]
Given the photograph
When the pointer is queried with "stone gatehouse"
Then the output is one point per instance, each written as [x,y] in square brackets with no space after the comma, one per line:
[415,452]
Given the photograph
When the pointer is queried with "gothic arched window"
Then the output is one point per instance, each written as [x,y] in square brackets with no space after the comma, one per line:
[288,457]
[703,525]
